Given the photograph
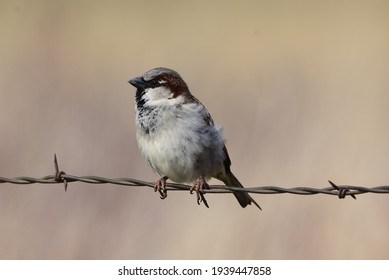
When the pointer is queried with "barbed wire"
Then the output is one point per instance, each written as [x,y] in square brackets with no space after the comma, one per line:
[61,177]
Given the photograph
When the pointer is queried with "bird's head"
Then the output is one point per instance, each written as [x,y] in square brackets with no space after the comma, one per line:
[160,86]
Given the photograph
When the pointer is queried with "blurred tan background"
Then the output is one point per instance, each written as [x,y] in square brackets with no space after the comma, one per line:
[301,88]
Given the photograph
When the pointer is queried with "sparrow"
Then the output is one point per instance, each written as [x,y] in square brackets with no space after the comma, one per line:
[177,136]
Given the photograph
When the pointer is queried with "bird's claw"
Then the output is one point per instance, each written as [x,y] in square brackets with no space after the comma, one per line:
[199,187]
[160,186]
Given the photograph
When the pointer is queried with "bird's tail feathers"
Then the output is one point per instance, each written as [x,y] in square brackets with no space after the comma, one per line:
[243,198]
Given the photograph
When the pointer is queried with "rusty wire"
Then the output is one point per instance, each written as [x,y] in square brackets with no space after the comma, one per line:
[61,177]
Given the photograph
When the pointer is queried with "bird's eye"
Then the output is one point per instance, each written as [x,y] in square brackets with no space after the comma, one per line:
[155,82]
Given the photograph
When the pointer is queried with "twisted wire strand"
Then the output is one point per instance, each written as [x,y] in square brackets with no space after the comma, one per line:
[61,177]
[51,179]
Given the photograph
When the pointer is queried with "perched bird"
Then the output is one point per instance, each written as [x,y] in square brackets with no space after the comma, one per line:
[177,136]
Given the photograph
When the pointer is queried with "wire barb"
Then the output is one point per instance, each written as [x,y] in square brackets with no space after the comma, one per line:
[342,191]
[58,176]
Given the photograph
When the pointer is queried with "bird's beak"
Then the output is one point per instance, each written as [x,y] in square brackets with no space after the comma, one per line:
[138,82]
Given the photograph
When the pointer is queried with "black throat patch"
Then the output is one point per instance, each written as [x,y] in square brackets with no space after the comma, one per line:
[146,115]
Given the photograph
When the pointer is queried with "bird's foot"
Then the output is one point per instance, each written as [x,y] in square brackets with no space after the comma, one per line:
[199,187]
[160,186]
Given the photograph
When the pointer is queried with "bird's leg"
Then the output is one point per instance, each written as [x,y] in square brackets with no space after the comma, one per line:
[160,186]
[199,187]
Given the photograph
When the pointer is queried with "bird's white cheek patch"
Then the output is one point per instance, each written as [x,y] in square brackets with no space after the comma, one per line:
[161,96]
[158,93]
